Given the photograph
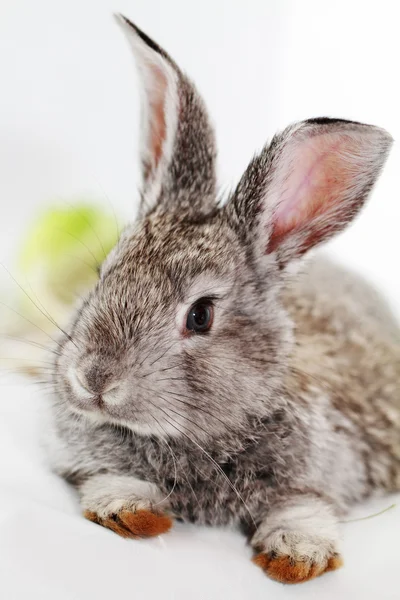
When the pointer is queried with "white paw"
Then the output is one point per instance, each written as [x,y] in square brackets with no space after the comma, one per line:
[298,542]
[300,546]
[108,495]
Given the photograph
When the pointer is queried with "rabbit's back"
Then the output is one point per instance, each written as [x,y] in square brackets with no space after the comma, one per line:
[347,350]
[340,298]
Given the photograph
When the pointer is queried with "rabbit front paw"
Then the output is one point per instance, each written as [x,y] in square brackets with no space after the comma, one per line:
[298,542]
[126,505]
[297,568]
[128,524]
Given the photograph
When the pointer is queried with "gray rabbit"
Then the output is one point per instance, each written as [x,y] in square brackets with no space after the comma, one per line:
[213,374]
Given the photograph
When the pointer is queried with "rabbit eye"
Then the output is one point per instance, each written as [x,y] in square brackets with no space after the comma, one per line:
[200,316]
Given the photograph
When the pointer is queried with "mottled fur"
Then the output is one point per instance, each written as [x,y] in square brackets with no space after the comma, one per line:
[288,410]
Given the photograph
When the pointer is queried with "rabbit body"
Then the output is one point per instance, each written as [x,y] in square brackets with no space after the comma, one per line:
[333,430]
[214,375]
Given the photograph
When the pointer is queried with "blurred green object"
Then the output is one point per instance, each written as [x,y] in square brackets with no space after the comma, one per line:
[58,263]
[64,248]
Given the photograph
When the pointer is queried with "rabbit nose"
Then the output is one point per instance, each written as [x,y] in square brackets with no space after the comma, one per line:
[94,379]
[93,384]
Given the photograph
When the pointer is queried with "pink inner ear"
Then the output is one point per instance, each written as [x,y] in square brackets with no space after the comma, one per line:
[158,127]
[319,178]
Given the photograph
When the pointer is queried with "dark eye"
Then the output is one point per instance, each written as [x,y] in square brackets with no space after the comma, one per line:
[200,317]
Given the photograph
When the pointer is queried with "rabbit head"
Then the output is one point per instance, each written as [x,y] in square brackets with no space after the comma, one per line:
[184,333]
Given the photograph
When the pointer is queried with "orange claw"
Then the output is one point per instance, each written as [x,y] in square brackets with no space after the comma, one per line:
[139,524]
[287,570]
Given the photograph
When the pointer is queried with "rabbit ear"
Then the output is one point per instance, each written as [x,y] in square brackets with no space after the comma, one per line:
[308,184]
[177,145]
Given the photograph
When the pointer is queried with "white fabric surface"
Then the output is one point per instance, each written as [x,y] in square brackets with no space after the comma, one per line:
[49,552]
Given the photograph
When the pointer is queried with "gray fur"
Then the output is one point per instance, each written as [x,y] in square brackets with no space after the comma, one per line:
[293,393]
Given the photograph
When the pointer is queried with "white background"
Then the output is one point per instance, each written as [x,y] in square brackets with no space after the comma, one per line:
[68,117]
[69,103]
